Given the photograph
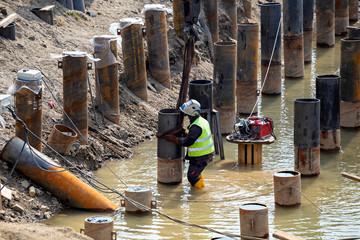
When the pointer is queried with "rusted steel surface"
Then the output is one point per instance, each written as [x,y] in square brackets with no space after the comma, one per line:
[350,70]
[169,171]
[272,85]
[330,140]
[354,32]
[246,96]
[212,17]
[325,23]
[341,16]
[157,41]
[307,161]
[308,38]
[75,95]
[292,18]
[99,228]
[230,8]
[201,91]
[328,92]
[285,185]
[270,20]
[247,66]
[142,195]
[179,19]
[62,138]
[308,19]
[28,107]
[134,60]
[254,220]
[349,114]
[247,8]
[63,185]
[353,10]
[224,79]
[106,74]
[294,56]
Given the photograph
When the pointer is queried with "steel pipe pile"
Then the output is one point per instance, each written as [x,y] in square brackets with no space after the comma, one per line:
[353,10]
[271,47]
[328,92]
[287,187]
[247,67]
[341,16]
[325,23]
[254,220]
[179,18]
[212,18]
[308,18]
[307,136]
[230,8]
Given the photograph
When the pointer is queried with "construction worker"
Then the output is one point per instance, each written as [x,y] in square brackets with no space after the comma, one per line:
[199,142]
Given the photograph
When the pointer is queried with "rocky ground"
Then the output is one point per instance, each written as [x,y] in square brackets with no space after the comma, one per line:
[35,41]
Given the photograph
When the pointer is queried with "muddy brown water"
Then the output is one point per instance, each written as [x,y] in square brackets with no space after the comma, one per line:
[226,181]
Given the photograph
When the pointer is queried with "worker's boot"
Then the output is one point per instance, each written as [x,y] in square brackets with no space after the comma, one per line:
[200,183]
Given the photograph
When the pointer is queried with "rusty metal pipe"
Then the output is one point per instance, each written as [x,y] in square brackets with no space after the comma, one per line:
[28,107]
[230,8]
[134,59]
[61,138]
[179,18]
[106,77]
[350,82]
[169,154]
[341,16]
[307,136]
[287,185]
[247,67]
[247,8]
[354,32]
[254,220]
[47,16]
[224,79]
[308,18]
[75,95]
[140,194]
[325,23]
[99,228]
[157,41]
[212,18]
[270,20]
[328,92]
[293,38]
[353,10]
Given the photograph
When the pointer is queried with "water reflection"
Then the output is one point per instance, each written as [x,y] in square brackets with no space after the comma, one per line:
[226,180]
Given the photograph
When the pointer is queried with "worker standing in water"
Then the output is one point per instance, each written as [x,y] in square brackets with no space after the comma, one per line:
[198,141]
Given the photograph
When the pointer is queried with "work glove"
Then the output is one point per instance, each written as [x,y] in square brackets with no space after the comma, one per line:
[171,138]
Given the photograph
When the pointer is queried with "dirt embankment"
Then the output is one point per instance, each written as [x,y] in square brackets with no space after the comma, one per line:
[35,41]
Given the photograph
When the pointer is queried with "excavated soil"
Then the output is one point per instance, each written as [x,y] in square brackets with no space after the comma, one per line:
[35,41]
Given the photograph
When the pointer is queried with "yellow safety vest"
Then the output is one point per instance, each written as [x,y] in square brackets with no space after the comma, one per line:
[204,144]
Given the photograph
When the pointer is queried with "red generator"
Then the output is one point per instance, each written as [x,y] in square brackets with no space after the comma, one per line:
[260,127]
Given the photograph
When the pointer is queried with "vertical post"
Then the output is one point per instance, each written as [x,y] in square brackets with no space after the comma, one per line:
[69,4]
[247,8]
[247,67]
[79,5]
[202,91]
[224,83]
[270,38]
[99,227]
[308,18]
[134,56]
[75,98]
[140,194]
[325,23]
[212,17]
[353,11]
[157,41]
[47,15]
[293,38]
[254,220]
[287,187]
[179,18]
[307,136]
[230,7]
[106,77]
[28,107]
[328,92]
[354,32]
[169,154]
[350,83]
[341,16]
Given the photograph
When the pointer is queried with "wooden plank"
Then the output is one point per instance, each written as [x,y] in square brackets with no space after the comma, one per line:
[6,21]
[350,176]
[257,153]
[47,8]
[286,236]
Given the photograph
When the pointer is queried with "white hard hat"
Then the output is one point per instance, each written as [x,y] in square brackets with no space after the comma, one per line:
[191,108]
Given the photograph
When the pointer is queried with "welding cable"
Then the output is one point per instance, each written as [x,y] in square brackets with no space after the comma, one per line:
[62,109]
[268,68]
